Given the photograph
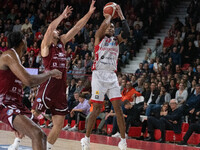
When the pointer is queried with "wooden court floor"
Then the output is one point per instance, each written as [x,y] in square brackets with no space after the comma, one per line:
[7,137]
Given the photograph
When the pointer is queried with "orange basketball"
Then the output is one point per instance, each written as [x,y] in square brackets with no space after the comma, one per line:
[110,8]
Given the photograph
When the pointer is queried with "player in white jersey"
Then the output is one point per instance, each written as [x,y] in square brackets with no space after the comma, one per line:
[104,79]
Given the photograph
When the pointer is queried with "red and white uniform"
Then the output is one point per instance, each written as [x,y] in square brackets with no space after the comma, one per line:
[11,93]
[106,54]
[52,93]
[104,79]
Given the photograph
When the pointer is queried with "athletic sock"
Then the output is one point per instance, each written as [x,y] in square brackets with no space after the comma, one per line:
[123,140]
[16,142]
[87,138]
[49,146]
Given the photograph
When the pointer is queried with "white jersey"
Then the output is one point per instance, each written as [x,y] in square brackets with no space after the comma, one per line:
[106,54]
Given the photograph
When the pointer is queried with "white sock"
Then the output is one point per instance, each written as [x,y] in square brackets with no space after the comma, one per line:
[49,146]
[87,138]
[16,142]
[123,140]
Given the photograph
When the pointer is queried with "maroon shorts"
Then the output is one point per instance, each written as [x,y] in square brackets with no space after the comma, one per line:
[7,112]
[53,97]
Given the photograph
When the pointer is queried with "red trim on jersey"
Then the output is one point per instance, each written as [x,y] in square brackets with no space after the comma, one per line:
[96,49]
[115,99]
[95,101]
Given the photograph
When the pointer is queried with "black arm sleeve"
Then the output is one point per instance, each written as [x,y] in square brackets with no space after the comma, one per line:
[125,29]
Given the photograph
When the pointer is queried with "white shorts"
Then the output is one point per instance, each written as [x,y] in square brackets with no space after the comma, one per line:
[105,82]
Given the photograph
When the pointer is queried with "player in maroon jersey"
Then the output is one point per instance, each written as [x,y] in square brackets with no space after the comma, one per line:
[12,75]
[52,94]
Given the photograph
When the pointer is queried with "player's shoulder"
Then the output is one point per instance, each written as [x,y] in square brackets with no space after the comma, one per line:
[8,54]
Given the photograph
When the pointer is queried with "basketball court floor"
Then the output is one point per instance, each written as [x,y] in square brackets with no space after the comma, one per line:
[71,141]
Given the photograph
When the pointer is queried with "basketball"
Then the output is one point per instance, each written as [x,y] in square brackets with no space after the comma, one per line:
[110,8]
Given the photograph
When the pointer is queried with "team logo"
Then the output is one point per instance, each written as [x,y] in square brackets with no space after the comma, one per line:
[96,96]
[9,112]
[17,111]
[60,45]
[60,55]
[5,147]
[102,57]
[39,100]
[97,92]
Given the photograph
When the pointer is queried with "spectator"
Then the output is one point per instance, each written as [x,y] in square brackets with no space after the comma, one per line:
[78,71]
[26,25]
[70,93]
[129,93]
[79,86]
[164,55]
[158,47]
[88,63]
[139,85]
[151,95]
[161,99]
[79,112]
[172,88]
[149,55]
[132,115]
[181,94]
[73,44]
[171,120]
[176,57]
[17,27]
[91,45]
[3,46]
[139,71]
[168,41]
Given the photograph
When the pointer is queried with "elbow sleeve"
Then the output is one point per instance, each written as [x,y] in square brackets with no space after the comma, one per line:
[125,29]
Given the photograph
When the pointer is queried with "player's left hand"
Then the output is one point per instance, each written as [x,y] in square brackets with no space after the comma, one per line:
[67,12]
[92,8]
[120,13]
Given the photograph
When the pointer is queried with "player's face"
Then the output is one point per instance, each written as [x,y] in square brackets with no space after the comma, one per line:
[110,30]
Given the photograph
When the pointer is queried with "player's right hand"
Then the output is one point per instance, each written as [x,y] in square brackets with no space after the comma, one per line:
[92,8]
[107,15]
[55,73]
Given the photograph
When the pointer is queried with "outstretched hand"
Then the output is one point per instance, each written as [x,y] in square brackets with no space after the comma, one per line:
[67,12]
[92,8]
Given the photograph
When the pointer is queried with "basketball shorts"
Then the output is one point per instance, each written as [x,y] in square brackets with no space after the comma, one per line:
[7,112]
[105,82]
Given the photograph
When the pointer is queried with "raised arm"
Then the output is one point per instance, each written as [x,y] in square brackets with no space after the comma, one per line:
[11,60]
[125,28]
[48,37]
[100,33]
[79,25]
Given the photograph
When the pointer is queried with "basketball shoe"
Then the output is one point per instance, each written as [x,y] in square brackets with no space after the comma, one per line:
[122,144]
[85,143]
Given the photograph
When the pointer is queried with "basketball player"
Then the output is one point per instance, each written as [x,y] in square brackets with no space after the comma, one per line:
[104,79]
[12,75]
[52,93]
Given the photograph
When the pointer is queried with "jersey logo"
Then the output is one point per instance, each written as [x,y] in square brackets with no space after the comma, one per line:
[97,92]
[96,96]
[39,100]
[60,55]
[60,45]
[9,112]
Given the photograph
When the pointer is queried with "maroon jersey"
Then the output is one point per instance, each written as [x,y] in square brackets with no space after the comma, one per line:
[52,93]
[11,97]
[10,88]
